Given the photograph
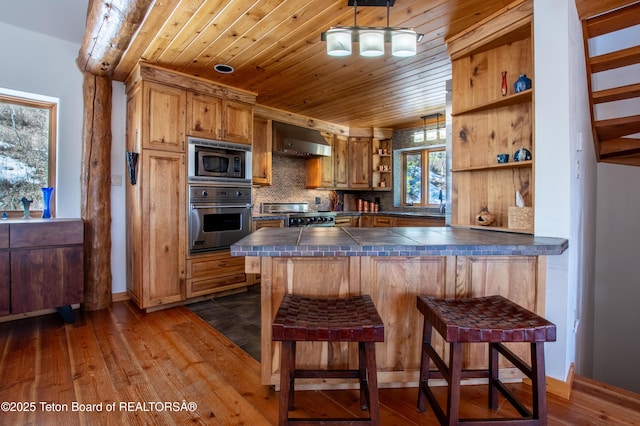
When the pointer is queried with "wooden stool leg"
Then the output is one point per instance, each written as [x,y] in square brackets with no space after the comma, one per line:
[455,376]
[493,376]
[374,400]
[292,376]
[286,379]
[538,383]
[362,373]
[424,366]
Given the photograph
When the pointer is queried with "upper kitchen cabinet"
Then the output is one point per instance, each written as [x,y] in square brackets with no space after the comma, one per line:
[164,124]
[262,151]
[359,163]
[340,154]
[490,118]
[214,118]
[320,170]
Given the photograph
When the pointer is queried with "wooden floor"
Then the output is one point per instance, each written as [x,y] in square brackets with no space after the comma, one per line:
[120,366]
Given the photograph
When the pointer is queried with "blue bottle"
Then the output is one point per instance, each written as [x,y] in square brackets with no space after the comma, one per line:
[522,83]
[46,199]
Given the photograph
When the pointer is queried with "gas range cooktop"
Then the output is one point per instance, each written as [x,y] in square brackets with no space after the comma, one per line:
[298,214]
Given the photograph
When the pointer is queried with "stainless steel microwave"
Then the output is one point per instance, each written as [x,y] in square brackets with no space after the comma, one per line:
[219,162]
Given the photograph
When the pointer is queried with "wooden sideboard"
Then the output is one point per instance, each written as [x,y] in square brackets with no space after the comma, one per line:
[42,264]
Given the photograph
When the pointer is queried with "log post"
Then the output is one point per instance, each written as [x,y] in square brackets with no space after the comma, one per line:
[110,26]
[96,191]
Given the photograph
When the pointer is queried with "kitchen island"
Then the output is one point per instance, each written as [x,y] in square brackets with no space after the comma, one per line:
[393,266]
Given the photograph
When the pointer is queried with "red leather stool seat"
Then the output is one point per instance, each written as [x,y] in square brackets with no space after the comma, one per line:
[353,319]
[494,320]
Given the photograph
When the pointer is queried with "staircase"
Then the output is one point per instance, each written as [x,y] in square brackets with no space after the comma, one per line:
[615,111]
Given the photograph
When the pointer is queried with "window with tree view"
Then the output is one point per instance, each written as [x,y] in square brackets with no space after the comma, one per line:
[424,176]
[27,152]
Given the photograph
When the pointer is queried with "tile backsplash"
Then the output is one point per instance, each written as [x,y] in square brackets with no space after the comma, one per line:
[289,180]
[288,185]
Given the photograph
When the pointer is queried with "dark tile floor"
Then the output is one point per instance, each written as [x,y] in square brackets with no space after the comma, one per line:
[236,316]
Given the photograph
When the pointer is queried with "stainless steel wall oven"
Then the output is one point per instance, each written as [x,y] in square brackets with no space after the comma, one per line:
[218,216]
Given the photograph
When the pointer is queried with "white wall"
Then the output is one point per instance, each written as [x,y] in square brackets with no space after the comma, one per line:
[564,173]
[37,64]
[617,285]
[42,65]
[118,173]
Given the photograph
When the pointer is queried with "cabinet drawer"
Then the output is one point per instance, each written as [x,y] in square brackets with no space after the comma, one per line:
[346,221]
[406,221]
[215,284]
[214,265]
[46,233]
[381,221]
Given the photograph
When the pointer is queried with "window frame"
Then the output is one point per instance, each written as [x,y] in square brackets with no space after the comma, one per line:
[52,108]
[424,152]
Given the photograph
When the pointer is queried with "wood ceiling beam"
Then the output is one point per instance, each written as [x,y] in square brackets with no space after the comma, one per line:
[110,26]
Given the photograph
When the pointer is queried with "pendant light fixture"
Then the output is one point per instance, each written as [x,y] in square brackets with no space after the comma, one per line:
[371,39]
[431,134]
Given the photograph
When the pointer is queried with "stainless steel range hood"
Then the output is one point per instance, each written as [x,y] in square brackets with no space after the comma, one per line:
[295,141]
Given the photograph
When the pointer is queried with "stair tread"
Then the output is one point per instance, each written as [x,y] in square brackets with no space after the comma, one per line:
[613,21]
[617,93]
[617,59]
[621,151]
[617,127]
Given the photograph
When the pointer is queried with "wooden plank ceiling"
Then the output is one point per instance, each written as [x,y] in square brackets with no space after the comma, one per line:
[275,48]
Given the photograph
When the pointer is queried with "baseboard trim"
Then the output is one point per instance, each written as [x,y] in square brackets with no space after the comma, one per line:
[558,387]
[119,297]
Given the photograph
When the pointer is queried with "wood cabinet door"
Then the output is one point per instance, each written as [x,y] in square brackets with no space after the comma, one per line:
[327,164]
[46,278]
[359,163]
[204,116]
[237,122]
[163,227]
[5,293]
[261,151]
[340,156]
[164,114]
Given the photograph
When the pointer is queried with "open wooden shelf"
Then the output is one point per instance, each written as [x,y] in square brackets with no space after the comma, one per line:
[518,98]
[511,165]
[484,123]
[494,228]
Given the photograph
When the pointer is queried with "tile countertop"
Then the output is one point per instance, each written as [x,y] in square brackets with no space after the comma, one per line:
[410,241]
[280,216]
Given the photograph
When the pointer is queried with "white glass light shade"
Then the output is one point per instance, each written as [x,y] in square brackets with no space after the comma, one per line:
[403,43]
[442,133]
[418,137]
[339,42]
[432,135]
[371,42]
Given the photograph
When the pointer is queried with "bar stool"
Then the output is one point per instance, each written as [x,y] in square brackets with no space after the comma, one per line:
[353,319]
[491,319]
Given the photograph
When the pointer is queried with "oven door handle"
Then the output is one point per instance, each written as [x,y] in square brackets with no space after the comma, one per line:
[223,206]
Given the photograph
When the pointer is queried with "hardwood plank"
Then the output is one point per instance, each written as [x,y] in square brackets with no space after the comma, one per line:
[173,355]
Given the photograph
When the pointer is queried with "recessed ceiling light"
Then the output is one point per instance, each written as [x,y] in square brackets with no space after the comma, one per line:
[223,68]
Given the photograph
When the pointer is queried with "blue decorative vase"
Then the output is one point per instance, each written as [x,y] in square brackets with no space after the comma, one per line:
[522,83]
[46,200]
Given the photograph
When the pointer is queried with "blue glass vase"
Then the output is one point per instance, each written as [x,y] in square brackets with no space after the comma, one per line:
[522,83]
[46,200]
